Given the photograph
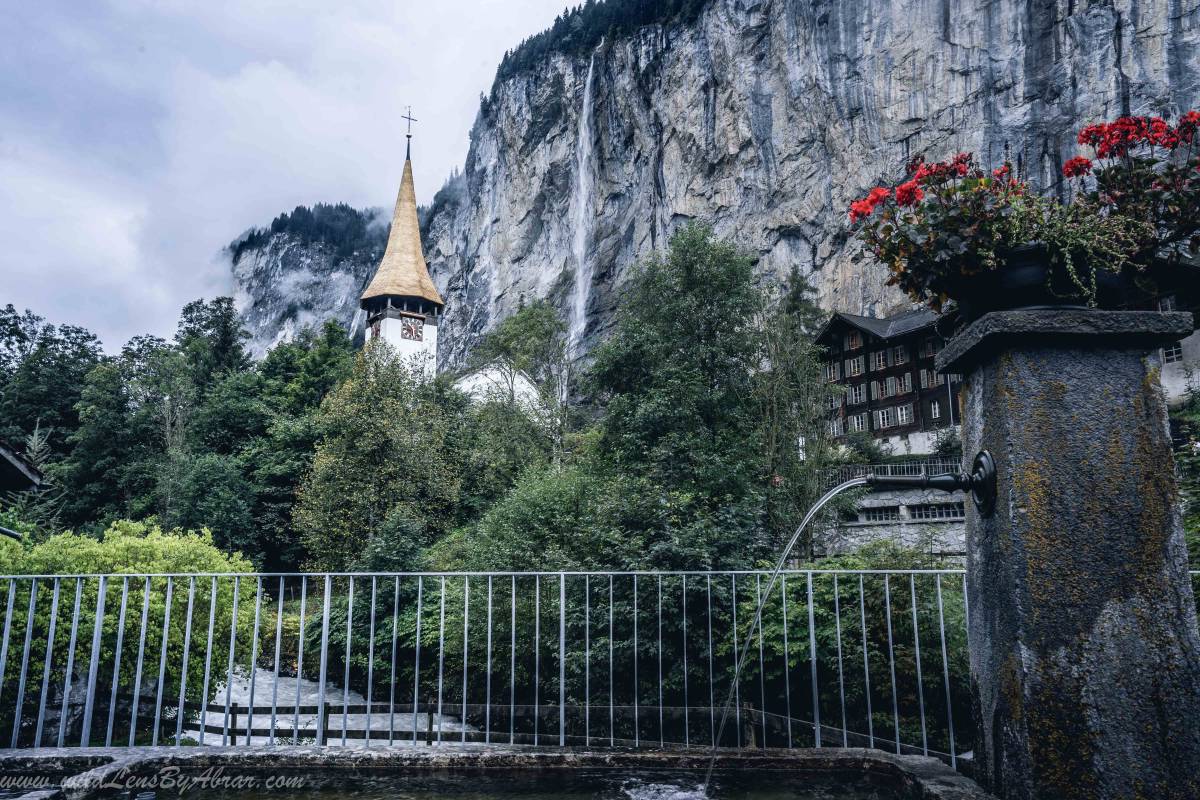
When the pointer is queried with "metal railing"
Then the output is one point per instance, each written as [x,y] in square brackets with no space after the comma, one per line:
[845,658]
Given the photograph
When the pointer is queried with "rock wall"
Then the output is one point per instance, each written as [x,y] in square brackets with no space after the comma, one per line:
[287,284]
[765,118]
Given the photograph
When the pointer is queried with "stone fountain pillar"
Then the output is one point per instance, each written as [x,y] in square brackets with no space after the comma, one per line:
[1085,656]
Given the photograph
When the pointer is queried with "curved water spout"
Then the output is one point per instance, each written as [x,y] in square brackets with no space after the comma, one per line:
[804,523]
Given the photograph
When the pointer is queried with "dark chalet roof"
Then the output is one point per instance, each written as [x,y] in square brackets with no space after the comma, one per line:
[886,328]
[16,473]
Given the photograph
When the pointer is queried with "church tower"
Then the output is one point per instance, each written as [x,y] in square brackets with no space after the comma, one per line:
[402,304]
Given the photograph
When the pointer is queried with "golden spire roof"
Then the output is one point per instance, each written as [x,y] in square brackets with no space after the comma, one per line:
[402,271]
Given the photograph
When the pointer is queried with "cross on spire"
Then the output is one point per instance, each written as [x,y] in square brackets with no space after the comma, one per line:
[411,119]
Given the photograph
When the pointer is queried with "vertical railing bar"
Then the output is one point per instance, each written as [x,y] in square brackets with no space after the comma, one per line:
[683,590]
[887,604]
[712,711]
[487,692]
[300,658]
[208,651]
[441,653]
[346,666]
[562,659]
[659,653]
[227,725]
[537,649]
[636,737]
[862,611]
[323,667]
[417,658]
[837,616]
[49,657]
[812,657]
[33,584]
[466,662]
[762,670]
[487,707]
[275,682]
[512,663]
[392,679]
[370,661]
[787,664]
[737,688]
[162,661]
[8,618]
[612,690]
[254,658]
[187,645]
[946,672]
[112,698]
[66,701]
[912,586]
[89,705]
[587,660]
[25,661]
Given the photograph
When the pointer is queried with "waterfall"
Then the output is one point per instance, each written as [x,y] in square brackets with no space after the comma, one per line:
[581,217]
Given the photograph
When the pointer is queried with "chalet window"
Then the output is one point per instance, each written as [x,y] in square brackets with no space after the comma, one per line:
[929,348]
[900,355]
[904,414]
[905,383]
[1167,303]
[889,387]
[935,410]
[881,514]
[858,394]
[937,511]
[931,378]
[836,399]
[833,371]
[836,427]
[855,366]
[852,340]
[879,360]
[874,390]
[858,422]
[885,418]
[1173,353]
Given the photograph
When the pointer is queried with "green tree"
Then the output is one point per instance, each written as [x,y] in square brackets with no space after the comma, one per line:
[212,340]
[676,382]
[383,450]
[47,366]
[208,491]
[793,399]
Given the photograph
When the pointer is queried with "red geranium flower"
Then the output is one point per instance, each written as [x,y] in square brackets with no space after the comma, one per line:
[909,193]
[1077,167]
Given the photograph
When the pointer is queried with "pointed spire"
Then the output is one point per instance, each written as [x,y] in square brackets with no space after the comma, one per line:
[402,271]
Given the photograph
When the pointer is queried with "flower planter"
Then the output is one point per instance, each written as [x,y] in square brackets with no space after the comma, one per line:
[1029,279]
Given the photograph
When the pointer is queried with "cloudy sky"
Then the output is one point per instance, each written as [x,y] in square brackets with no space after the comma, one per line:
[138,137]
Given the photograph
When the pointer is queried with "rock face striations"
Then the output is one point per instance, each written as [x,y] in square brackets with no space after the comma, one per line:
[305,268]
[766,118]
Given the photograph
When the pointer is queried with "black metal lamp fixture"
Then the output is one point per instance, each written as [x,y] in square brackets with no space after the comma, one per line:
[980,482]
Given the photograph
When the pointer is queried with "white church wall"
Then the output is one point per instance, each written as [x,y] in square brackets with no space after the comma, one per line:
[424,350]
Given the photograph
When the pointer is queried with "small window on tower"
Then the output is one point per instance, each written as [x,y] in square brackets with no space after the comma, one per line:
[412,328]
[375,329]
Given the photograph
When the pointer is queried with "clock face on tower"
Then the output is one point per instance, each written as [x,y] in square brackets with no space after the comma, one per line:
[412,329]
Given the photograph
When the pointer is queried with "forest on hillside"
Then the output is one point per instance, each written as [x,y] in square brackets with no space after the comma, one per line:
[681,454]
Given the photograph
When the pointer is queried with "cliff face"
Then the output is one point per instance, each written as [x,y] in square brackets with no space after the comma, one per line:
[286,284]
[766,118]
[306,267]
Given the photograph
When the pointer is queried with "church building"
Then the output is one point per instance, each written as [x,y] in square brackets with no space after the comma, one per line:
[401,302]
